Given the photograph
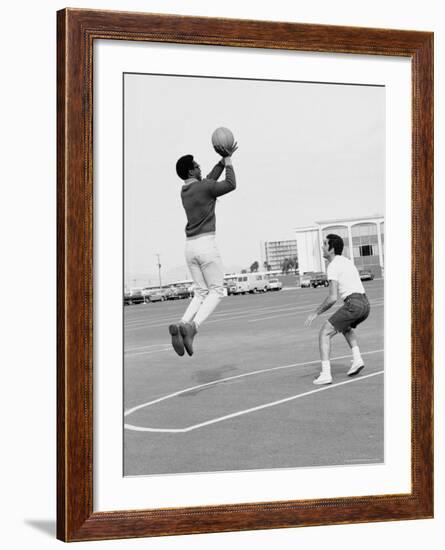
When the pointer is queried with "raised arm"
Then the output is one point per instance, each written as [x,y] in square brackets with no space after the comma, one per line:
[219,188]
[216,171]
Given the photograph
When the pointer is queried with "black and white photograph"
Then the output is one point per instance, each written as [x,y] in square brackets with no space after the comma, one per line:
[223,222]
[254,269]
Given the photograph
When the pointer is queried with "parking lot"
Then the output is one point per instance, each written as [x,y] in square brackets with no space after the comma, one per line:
[245,400]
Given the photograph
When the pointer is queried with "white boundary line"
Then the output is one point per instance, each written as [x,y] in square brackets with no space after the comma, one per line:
[246,411]
[147,347]
[145,350]
[244,316]
[150,352]
[292,312]
[219,315]
[137,319]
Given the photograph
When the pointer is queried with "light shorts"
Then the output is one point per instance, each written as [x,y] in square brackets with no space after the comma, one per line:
[354,311]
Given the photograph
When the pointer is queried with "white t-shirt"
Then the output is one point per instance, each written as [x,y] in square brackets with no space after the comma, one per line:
[343,271]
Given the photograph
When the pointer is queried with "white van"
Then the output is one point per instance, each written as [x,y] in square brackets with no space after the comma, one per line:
[250,282]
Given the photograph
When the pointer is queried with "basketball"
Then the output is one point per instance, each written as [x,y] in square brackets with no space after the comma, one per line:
[222,137]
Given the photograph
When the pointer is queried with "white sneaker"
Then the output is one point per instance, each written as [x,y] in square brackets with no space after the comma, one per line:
[323,379]
[356,367]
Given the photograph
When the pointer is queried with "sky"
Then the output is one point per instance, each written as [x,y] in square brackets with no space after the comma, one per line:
[307,152]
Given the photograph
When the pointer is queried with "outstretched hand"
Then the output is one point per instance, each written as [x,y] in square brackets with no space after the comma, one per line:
[309,319]
[226,151]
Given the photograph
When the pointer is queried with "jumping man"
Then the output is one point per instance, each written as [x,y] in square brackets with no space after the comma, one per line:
[201,253]
[344,279]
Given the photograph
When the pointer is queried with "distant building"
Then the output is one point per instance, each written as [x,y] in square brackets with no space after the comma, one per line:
[276,251]
[363,237]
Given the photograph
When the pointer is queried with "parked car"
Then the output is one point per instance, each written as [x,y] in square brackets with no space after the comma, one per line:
[229,287]
[258,282]
[305,280]
[182,291]
[230,284]
[250,282]
[319,279]
[275,284]
[241,285]
[134,296]
[366,275]
[155,295]
[171,293]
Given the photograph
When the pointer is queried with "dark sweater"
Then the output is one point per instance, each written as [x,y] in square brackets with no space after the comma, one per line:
[199,198]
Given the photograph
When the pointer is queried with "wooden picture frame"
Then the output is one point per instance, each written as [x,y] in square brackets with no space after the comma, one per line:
[77,31]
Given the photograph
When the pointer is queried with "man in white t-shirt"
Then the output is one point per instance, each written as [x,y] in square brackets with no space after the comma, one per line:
[344,280]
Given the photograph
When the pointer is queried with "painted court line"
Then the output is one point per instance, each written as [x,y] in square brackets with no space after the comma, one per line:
[242,315]
[240,310]
[218,316]
[187,390]
[145,348]
[247,411]
[230,306]
[374,304]
[135,354]
[244,375]
[288,310]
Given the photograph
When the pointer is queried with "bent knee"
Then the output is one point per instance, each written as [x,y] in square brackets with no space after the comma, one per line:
[200,292]
[218,290]
[327,329]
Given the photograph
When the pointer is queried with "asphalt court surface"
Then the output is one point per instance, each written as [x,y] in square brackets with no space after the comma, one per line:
[245,400]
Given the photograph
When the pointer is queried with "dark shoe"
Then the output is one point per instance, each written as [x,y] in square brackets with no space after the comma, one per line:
[177,343]
[188,332]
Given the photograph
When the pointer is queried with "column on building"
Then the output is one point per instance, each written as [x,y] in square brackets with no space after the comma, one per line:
[379,242]
[308,248]
[366,246]
[320,252]
[351,247]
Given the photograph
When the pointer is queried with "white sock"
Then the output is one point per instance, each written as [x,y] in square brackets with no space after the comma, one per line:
[326,368]
[356,354]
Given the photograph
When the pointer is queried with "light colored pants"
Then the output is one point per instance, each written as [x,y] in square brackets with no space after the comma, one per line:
[206,269]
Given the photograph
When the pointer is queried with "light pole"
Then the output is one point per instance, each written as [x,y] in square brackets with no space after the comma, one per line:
[159,268]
